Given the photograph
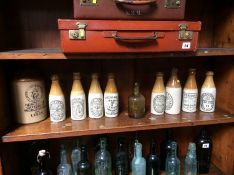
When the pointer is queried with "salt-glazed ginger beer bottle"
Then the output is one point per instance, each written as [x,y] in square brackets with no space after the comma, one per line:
[158,96]
[208,94]
[95,98]
[56,101]
[77,99]
[173,94]
[190,93]
[111,97]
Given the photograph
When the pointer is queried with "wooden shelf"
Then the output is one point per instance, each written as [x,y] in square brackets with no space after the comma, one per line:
[57,54]
[122,123]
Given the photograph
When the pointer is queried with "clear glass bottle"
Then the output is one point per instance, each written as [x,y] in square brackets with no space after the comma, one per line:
[111,97]
[208,94]
[190,165]
[136,103]
[138,162]
[165,147]
[190,93]
[75,157]
[121,159]
[95,98]
[158,96]
[172,161]
[103,160]
[63,168]
[173,94]
[56,101]
[77,99]
[42,159]
[84,167]
[204,151]
[153,163]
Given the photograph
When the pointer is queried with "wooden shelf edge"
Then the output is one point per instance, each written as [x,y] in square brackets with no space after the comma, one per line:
[56,53]
[68,128]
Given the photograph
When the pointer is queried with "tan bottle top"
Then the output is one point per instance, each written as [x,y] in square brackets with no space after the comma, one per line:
[111,86]
[95,85]
[77,86]
[209,81]
[159,84]
[191,81]
[55,89]
[174,82]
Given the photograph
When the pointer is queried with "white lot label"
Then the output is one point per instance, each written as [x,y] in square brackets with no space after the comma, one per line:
[207,145]
[186,45]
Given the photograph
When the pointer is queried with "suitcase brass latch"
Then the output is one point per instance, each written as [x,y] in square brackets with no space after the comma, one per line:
[172,4]
[79,34]
[184,34]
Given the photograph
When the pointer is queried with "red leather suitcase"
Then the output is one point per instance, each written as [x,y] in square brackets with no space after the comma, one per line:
[129,9]
[112,36]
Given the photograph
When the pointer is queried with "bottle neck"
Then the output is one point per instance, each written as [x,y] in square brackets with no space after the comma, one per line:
[55,88]
[159,85]
[63,157]
[84,155]
[95,86]
[153,148]
[111,86]
[191,82]
[174,81]
[77,86]
[209,82]
[172,151]
[136,90]
[138,150]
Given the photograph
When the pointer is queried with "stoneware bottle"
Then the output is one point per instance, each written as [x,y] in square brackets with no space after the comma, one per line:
[29,100]
[56,101]
[77,99]
[158,96]
[173,94]
[95,98]
[190,93]
[111,98]
[208,94]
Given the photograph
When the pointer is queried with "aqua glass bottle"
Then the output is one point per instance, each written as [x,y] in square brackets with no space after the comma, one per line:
[103,160]
[138,162]
[75,157]
[172,161]
[64,168]
[190,167]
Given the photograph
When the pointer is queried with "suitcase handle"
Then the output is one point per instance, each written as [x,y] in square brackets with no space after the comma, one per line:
[134,39]
[135,2]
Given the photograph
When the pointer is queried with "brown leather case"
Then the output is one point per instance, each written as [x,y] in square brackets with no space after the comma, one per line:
[129,9]
[110,36]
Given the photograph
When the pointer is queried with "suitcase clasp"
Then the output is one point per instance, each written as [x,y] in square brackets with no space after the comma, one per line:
[172,4]
[184,34]
[79,34]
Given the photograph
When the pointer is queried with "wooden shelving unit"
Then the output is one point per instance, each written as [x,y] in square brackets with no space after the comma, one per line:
[70,128]
[57,54]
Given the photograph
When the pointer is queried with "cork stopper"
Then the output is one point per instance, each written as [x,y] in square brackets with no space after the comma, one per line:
[76,76]
[54,77]
[94,76]
[209,73]
[110,76]
[159,74]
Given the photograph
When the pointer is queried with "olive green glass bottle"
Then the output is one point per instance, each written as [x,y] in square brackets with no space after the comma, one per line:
[136,103]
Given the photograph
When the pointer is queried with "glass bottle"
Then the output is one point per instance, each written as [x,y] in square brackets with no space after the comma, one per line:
[208,94]
[173,94]
[42,159]
[63,168]
[132,150]
[121,162]
[153,163]
[190,167]
[84,167]
[165,147]
[158,96]
[138,162]
[56,101]
[103,160]
[172,161]
[204,150]
[136,103]
[111,97]
[75,157]
[190,93]
[77,99]
[95,98]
